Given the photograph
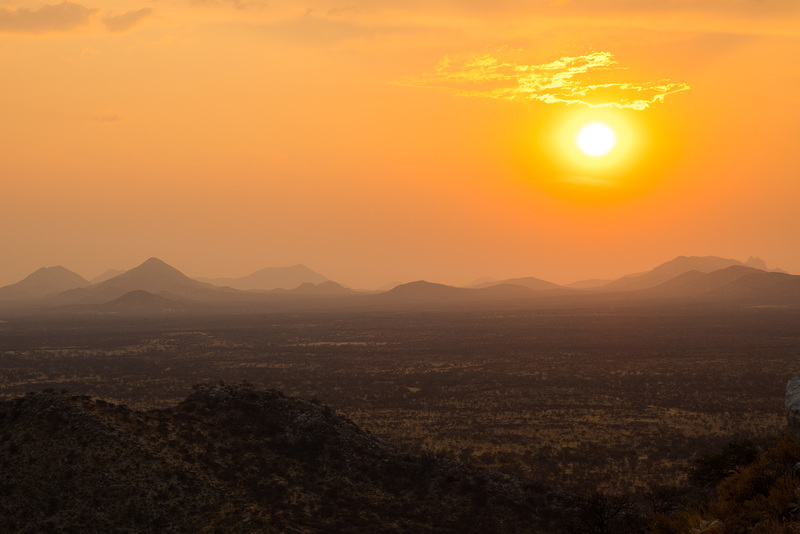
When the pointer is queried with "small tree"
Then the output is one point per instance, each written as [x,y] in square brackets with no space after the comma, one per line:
[602,513]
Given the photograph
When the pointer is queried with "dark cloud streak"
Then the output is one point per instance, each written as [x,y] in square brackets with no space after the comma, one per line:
[63,17]
[127,21]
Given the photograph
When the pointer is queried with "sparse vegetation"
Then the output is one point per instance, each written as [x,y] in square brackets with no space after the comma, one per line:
[623,402]
[760,496]
[231,458]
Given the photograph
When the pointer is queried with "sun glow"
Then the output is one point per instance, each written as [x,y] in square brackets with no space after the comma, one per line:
[595,154]
[596,146]
[596,139]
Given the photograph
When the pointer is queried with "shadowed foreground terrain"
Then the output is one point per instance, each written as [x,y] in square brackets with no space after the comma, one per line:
[231,458]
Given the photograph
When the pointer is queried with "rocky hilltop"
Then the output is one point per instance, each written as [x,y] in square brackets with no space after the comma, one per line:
[231,458]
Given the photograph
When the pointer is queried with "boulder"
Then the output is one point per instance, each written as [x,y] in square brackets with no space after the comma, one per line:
[792,404]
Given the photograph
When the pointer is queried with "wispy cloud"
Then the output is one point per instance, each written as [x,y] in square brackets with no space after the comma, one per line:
[126,21]
[568,80]
[238,4]
[109,116]
[63,17]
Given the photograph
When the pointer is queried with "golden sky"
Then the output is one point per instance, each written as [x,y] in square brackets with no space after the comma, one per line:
[380,141]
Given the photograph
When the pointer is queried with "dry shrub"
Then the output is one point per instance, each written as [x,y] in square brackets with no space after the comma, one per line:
[776,526]
[687,520]
[763,495]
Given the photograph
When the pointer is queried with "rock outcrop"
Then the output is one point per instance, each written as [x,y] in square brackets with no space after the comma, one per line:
[792,404]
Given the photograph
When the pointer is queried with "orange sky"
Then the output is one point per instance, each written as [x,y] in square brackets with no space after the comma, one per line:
[381,141]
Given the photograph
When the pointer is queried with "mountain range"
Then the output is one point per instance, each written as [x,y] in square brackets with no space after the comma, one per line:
[153,276]
[158,288]
[736,282]
[680,265]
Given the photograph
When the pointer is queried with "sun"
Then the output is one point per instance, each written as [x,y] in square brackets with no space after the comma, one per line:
[596,139]
[593,154]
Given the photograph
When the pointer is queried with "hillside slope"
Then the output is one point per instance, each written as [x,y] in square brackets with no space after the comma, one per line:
[234,459]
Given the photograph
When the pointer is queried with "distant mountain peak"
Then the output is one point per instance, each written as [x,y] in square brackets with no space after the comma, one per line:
[756,262]
[42,282]
[155,263]
[57,270]
[154,267]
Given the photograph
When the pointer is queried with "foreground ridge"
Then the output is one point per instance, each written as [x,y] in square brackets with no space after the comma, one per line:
[236,459]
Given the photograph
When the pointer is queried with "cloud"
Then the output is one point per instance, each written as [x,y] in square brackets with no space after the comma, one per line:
[566,81]
[126,21]
[238,4]
[107,117]
[63,17]
[310,30]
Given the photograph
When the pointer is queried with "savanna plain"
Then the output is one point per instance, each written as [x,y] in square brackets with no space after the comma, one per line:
[617,399]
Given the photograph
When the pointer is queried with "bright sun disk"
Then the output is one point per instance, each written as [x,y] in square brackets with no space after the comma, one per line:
[596,139]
